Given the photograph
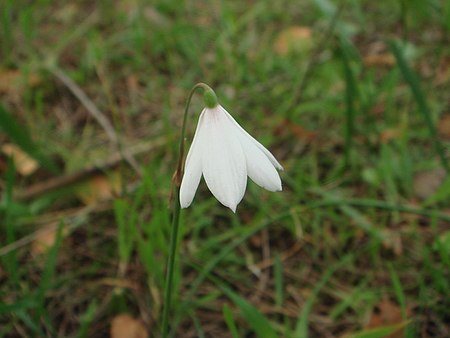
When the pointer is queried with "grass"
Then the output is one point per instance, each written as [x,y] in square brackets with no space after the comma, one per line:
[354,109]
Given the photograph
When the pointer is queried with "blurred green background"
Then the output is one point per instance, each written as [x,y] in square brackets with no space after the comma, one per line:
[353,99]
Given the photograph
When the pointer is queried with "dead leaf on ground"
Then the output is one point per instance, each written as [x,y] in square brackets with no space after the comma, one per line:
[100,187]
[125,326]
[44,240]
[443,71]
[428,182]
[387,313]
[298,131]
[379,60]
[377,54]
[389,134]
[12,81]
[23,163]
[444,127]
[392,240]
[293,39]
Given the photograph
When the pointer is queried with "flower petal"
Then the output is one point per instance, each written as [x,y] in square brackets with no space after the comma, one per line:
[193,166]
[259,167]
[269,155]
[224,165]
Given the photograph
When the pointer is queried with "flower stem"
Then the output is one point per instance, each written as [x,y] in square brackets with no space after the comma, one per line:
[171,264]
[176,211]
[179,171]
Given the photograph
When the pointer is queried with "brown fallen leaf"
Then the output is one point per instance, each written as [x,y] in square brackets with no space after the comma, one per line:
[45,239]
[296,130]
[12,81]
[377,60]
[443,71]
[392,240]
[125,326]
[444,127]
[428,182]
[100,187]
[389,134]
[377,54]
[24,164]
[387,313]
[295,38]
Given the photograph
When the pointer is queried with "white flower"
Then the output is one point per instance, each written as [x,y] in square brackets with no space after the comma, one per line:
[225,154]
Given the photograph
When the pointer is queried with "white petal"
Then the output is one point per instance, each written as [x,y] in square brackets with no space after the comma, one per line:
[193,166]
[269,155]
[224,165]
[259,167]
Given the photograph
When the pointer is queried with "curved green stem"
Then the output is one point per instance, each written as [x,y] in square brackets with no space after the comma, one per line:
[179,171]
[176,213]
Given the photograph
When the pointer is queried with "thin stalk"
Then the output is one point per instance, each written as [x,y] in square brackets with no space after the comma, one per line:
[366,203]
[414,84]
[350,94]
[179,171]
[176,215]
[171,264]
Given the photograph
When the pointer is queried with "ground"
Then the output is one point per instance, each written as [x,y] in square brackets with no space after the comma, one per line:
[350,96]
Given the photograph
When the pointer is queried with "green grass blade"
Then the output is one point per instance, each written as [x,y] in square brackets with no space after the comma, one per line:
[86,319]
[417,92]
[379,332]
[398,289]
[259,323]
[17,306]
[362,221]
[301,329]
[350,95]
[125,219]
[279,281]
[214,261]
[30,323]
[6,31]
[48,273]
[368,203]
[229,320]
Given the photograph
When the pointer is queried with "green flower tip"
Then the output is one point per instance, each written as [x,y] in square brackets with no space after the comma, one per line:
[210,98]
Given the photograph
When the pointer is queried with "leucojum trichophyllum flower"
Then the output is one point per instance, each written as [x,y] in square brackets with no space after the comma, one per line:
[225,154]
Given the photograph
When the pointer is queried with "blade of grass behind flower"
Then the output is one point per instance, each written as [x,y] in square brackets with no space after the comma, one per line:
[48,275]
[125,217]
[446,16]
[87,318]
[6,31]
[414,85]
[302,322]
[398,289]
[350,95]
[379,332]
[20,305]
[215,260]
[30,323]
[279,282]
[229,320]
[368,203]
[259,323]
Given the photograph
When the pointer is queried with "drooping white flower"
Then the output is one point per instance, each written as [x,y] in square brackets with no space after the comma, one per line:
[225,154]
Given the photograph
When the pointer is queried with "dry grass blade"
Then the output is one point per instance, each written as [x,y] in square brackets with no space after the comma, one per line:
[97,114]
